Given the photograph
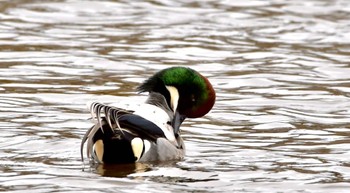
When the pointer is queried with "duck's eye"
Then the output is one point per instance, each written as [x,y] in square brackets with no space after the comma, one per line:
[193,98]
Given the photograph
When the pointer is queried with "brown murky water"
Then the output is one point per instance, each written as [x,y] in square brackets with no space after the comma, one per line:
[280,68]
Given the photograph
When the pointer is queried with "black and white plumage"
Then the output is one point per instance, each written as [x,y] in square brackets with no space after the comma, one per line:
[151,131]
[123,136]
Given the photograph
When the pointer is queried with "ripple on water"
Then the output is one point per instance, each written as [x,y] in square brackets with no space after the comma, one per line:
[280,70]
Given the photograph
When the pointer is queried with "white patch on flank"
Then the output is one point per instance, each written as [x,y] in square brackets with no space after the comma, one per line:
[147,145]
[174,97]
[98,148]
[137,147]
[158,116]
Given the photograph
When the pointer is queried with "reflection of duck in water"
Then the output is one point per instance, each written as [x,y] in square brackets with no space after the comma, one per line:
[151,131]
[121,170]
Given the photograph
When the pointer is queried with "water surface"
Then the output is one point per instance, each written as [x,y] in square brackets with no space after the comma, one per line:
[281,122]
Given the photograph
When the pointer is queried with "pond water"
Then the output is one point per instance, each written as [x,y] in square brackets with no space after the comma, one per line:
[281,70]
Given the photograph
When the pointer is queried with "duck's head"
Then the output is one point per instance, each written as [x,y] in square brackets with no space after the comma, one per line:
[187,92]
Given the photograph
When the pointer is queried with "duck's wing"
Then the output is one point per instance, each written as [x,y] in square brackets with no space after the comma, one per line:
[116,128]
[101,115]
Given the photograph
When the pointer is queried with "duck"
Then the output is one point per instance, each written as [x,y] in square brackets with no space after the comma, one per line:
[151,131]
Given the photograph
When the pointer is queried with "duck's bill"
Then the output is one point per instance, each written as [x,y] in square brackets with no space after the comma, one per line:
[177,121]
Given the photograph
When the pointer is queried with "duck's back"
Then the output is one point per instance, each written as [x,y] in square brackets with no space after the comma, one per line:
[120,136]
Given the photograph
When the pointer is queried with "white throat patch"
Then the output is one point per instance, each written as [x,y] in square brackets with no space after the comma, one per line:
[174,97]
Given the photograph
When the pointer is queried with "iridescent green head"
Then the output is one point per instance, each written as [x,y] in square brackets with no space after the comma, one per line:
[186,91]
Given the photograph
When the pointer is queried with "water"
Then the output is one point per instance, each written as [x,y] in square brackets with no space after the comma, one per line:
[281,69]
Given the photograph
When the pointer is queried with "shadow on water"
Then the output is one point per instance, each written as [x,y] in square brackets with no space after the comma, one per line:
[120,170]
